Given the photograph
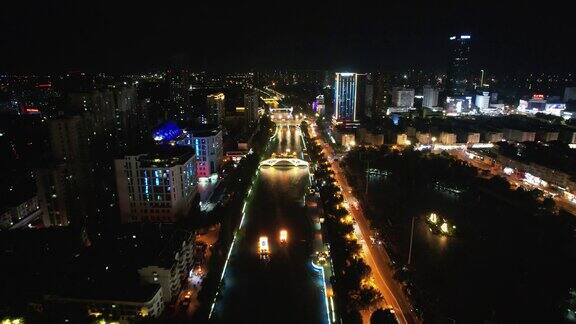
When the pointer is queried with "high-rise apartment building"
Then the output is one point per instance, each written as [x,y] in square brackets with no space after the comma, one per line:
[251,106]
[55,195]
[381,94]
[216,106]
[369,96]
[66,186]
[429,97]
[208,147]
[158,186]
[68,138]
[403,98]
[113,108]
[179,108]
[98,107]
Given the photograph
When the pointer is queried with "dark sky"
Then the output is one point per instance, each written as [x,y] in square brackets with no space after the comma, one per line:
[125,36]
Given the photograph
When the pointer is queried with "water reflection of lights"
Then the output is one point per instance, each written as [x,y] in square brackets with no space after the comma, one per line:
[432,242]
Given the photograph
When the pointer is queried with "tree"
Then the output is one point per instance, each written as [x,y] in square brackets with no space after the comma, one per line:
[548,204]
[352,317]
[383,316]
[368,298]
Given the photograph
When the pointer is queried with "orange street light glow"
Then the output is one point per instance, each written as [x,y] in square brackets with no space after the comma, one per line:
[283,236]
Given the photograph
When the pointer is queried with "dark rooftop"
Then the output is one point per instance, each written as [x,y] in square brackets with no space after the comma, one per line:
[14,193]
[139,245]
[204,130]
[167,156]
[131,291]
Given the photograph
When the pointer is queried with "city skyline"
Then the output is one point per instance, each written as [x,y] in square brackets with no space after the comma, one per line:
[52,36]
[292,162]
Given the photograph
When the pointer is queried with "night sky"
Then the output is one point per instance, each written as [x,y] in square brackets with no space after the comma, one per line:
[126,36]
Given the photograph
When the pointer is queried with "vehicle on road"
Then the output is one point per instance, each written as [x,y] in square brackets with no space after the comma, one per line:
[186,299]
[263,248]
[283,236]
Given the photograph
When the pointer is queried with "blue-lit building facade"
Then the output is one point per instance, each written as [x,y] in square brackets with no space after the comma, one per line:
[156,187]
[205,140]
[345,97]
[207,143]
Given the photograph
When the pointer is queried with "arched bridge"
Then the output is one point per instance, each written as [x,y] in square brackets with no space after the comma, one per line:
[287,122]
[284,162]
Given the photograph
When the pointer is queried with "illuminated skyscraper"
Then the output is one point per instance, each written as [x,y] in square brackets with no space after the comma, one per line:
[459,66]
[345,97]
[215,103]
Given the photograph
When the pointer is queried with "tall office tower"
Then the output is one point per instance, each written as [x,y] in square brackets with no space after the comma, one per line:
[345,97]
[251,107]
[459,66]
[179,108]
[403,98]
[430,97]
[156,187]
[216,105]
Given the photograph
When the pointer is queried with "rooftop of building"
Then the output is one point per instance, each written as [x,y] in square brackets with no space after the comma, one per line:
[14,192]
[484,124]
[140,245]
[54,261]
[166,156]
[204,130]
[35,261]
[553,155]
[107,289]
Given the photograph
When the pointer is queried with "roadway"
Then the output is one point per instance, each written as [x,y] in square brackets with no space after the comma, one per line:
[286,288]
[374,255]
[494,168]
